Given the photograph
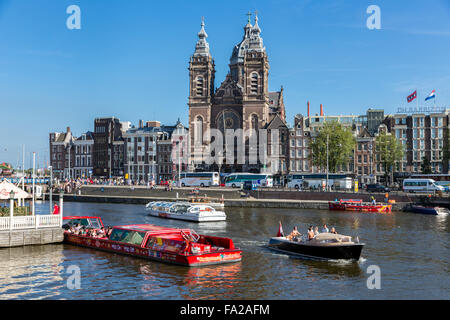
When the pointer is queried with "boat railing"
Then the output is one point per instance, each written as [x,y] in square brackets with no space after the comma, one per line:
[192,236]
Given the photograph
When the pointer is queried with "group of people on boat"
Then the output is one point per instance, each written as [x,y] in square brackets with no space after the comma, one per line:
[295,235]
[89,232]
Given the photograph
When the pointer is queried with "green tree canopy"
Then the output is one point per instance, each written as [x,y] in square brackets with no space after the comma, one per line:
[390,150]
[425,167]
[341,144]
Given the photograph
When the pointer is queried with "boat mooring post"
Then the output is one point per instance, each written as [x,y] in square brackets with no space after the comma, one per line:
[11,209]
[61,195]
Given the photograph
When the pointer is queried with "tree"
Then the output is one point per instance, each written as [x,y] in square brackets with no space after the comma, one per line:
[425,167]
[391,150]
[341,144]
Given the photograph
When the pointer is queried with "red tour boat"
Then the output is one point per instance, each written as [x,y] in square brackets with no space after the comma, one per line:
[171,245]
[359,205]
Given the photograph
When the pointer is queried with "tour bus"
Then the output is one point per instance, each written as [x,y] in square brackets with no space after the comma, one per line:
[418,185]
[317,180]
[199,179]
[259,179]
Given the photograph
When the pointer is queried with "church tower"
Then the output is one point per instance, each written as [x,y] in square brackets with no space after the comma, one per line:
[201,91]
[249,67]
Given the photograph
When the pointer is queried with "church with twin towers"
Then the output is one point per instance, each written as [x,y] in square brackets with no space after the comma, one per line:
[242,101]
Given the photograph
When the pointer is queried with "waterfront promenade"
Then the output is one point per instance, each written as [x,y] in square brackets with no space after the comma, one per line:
[269,198]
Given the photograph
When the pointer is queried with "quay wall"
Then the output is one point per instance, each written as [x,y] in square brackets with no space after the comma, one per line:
[232,197]
[17,238]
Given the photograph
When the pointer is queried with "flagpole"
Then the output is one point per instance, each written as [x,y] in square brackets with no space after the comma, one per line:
[417,98]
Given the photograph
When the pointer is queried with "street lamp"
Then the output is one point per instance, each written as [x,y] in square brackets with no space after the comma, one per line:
[51,187]
[327,163]
[11,209]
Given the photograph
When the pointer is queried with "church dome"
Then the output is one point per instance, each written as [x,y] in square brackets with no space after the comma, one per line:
[251,41]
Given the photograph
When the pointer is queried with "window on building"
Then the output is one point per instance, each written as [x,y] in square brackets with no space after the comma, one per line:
[199,86]
[254,83]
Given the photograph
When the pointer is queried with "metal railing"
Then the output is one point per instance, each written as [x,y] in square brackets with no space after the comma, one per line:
[30,222]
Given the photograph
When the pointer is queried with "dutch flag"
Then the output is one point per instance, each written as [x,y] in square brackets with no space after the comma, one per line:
[431,96]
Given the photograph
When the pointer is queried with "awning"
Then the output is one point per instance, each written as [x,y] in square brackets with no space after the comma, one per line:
[6,188]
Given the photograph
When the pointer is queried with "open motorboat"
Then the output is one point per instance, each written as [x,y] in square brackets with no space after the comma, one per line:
[324,246]
[172,245]
[415,208]
[184,211]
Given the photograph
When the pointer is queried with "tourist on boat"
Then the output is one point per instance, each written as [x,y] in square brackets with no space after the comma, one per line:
[333,230]
[374,201]
[294,235]
[316,231]
[325,228]
[310,233]
[386,197]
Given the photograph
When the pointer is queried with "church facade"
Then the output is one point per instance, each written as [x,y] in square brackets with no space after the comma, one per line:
[241,102]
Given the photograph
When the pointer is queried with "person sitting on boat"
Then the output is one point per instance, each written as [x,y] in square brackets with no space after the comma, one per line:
[310,233]
[373,200]
[294,235]
[316,231]
[101,233]
[325,228]
[333,230]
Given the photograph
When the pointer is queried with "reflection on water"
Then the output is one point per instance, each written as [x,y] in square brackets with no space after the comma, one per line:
[411,250]
[27,272]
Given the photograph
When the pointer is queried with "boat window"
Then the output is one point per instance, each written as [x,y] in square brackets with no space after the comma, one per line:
[127,236]
[95,223]
[82,222]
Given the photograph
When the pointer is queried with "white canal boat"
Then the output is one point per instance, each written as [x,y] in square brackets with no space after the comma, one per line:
[184,211]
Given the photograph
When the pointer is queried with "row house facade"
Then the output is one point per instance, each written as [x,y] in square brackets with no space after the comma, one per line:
[149,152]
[61,154]
[173,152]
[140,151]
[108,147]
[82,148]
[306,128]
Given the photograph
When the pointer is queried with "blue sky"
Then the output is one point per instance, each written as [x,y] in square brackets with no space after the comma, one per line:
[130,59]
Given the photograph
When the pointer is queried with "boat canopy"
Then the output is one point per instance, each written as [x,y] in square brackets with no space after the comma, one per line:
[332,237]
[178,207]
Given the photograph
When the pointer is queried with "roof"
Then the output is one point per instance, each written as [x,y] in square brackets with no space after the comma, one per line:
[276,123]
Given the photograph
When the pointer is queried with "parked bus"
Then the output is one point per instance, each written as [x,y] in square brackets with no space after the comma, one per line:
[259,179]
[318,180]
[421,185]
[199,179]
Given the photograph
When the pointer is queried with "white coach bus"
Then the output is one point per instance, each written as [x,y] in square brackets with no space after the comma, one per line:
[236,180]
[199,179]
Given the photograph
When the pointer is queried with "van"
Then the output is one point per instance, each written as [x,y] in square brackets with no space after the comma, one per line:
[421,185]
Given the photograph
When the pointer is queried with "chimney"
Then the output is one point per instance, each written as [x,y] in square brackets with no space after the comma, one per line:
[153,123]
[308,109]
[68,129]
[321,109]
[141,124]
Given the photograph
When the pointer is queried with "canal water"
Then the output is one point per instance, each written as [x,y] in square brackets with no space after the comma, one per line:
[411,251]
